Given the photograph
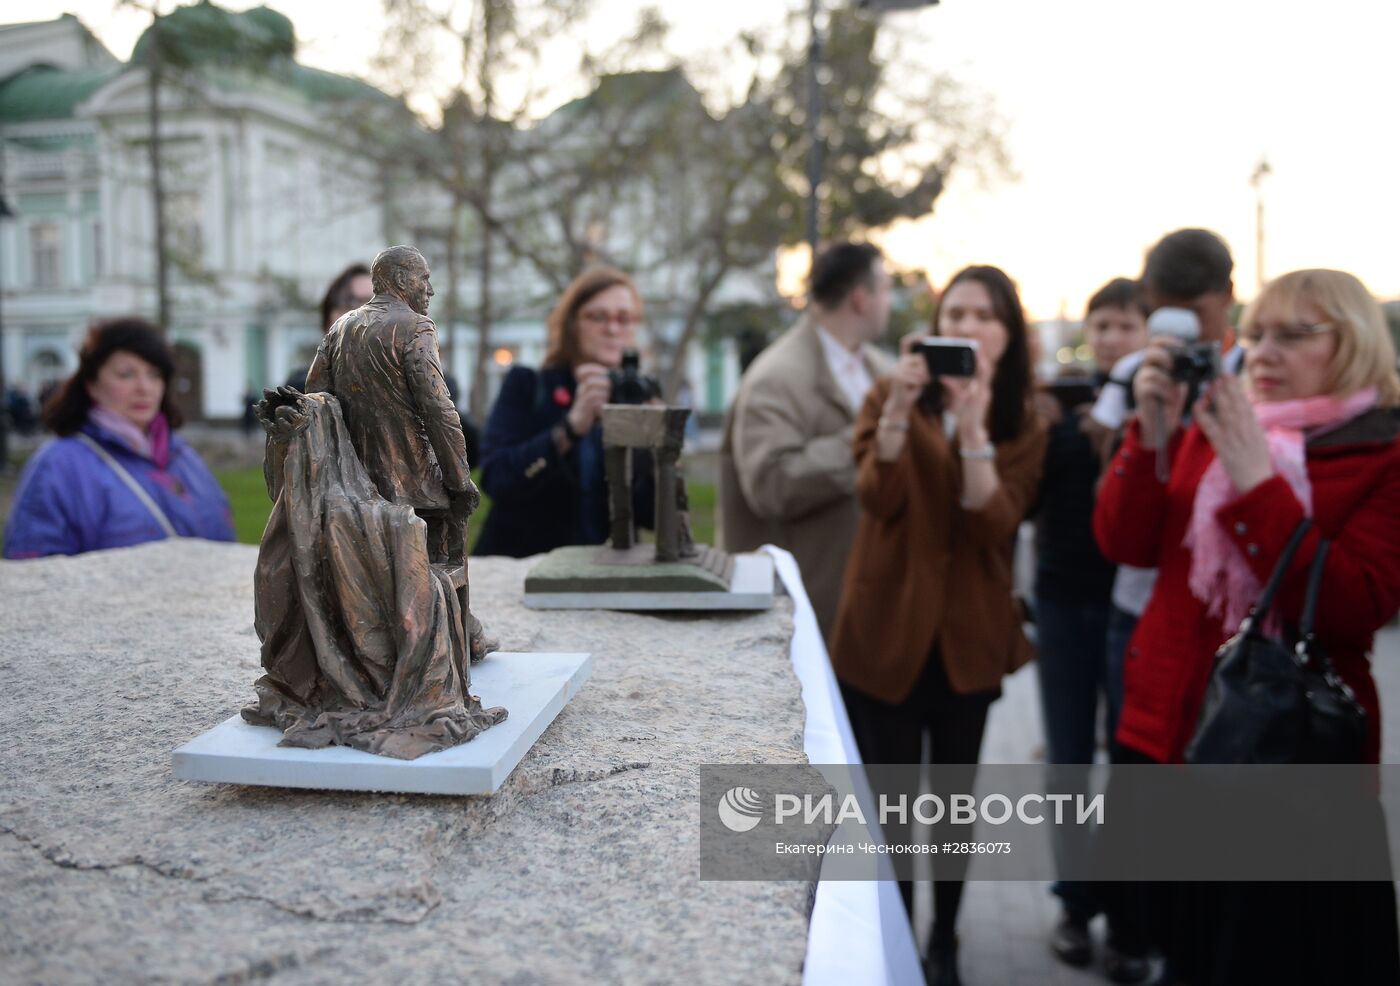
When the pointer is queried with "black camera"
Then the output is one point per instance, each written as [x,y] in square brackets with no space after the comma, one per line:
[629,384]
[1196,364]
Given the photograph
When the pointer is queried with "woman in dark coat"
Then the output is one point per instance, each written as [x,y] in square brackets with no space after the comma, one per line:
[542,452]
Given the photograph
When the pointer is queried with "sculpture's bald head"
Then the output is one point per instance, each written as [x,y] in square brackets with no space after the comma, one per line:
[402,272]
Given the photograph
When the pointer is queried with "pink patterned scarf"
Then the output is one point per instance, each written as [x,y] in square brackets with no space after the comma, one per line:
[1220,576]
[153,443]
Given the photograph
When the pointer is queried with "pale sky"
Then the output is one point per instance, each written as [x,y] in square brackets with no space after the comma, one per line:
[1128,118]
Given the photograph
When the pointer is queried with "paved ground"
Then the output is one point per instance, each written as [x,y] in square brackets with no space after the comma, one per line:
[1003,926]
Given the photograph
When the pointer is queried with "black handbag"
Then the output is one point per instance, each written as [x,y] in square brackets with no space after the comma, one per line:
[1268,702]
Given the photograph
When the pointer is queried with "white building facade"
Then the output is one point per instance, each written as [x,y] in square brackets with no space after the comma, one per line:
[265,202]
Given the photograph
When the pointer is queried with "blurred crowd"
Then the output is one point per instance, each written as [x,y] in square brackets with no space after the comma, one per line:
[1196,460]
[1206,451]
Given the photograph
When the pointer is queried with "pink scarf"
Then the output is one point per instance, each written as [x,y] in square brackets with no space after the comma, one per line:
[153,443]
[1220,575]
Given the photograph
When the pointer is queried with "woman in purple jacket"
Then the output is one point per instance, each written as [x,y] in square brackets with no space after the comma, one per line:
[116,475]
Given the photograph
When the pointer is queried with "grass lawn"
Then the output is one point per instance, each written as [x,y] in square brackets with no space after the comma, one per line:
[247,496]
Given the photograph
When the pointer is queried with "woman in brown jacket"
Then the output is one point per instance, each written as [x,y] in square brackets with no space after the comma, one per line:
[928,625]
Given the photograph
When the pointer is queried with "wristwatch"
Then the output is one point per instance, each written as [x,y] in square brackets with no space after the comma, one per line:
[987,452]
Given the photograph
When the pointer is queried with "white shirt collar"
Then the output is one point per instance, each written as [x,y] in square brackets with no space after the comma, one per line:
[847,367]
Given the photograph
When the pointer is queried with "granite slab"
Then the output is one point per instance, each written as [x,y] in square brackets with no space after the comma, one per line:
[582,868]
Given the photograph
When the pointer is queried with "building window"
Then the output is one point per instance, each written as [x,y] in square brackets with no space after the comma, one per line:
[44,373]
[46,254]
[185,229]
[97,249]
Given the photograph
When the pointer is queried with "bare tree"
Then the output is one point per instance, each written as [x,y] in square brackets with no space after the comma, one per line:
[647,173]
[477,134]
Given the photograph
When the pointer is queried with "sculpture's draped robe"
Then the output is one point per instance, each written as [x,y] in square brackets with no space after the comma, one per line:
[362,639]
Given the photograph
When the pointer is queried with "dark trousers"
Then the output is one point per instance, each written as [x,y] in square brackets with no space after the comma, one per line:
[951,725]
[1072,642]
[1121,625]
[1139,913]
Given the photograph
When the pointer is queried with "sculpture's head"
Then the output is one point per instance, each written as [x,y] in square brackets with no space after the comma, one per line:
[402,272]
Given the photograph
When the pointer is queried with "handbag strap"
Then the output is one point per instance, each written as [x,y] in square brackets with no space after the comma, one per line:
[1305,627]
[131,484]
[1266,598]
[1304,650]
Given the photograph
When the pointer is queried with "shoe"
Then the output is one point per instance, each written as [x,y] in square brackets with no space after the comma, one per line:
[1070,941]
[1165,977]
[478,644]
[941,966]
[481,645]
[1127,970]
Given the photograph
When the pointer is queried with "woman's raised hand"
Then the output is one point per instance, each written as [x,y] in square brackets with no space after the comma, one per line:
[968,398]
[1160,399]
[908,381]
[591,393]
[1229,422]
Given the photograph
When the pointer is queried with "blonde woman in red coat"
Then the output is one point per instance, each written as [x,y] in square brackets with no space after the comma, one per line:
[1307,432]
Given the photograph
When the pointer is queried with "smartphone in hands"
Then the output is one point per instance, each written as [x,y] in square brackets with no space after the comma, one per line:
[949,357]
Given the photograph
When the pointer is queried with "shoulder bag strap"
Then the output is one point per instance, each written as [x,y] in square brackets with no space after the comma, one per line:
[1305,649]
[1266,598]
[131,484]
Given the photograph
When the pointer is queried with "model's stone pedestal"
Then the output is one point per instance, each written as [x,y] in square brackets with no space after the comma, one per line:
[600,577]
[582,867]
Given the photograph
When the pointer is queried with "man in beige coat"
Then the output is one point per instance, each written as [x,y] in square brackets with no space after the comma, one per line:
[787,473]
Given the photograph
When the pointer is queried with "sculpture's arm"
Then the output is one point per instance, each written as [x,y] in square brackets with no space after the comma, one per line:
[435,408]
[274,458]
[318,378]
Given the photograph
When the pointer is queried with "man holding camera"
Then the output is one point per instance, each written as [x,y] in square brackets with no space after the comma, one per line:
[787,473]
[1187,285]
[1186,282]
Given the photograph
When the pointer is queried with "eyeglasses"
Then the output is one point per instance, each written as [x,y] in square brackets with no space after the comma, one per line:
[598,317]
[1285,336]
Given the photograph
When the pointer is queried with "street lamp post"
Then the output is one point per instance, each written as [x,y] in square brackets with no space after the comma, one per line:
[1261,171]
[814,141]
[815,148]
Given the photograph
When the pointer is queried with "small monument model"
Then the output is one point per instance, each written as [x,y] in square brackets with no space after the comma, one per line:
[361,589]
[625,574]
[361,594]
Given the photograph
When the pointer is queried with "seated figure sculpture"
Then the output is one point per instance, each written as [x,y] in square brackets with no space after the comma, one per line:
[362,603]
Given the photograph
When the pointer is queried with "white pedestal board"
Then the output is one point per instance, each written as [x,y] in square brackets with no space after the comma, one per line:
[534,688]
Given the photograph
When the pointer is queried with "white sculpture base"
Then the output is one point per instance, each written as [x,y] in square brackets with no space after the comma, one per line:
[750,588]
[534,688]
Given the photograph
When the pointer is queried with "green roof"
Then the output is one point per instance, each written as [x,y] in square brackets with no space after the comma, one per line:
[320,86]
[254,44]
[42,92]
[204,34]
[631,90]
[259,42]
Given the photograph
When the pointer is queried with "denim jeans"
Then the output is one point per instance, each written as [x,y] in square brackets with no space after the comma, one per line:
[1121,625]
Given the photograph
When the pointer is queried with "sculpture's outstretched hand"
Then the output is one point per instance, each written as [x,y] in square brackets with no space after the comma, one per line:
[283,412]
